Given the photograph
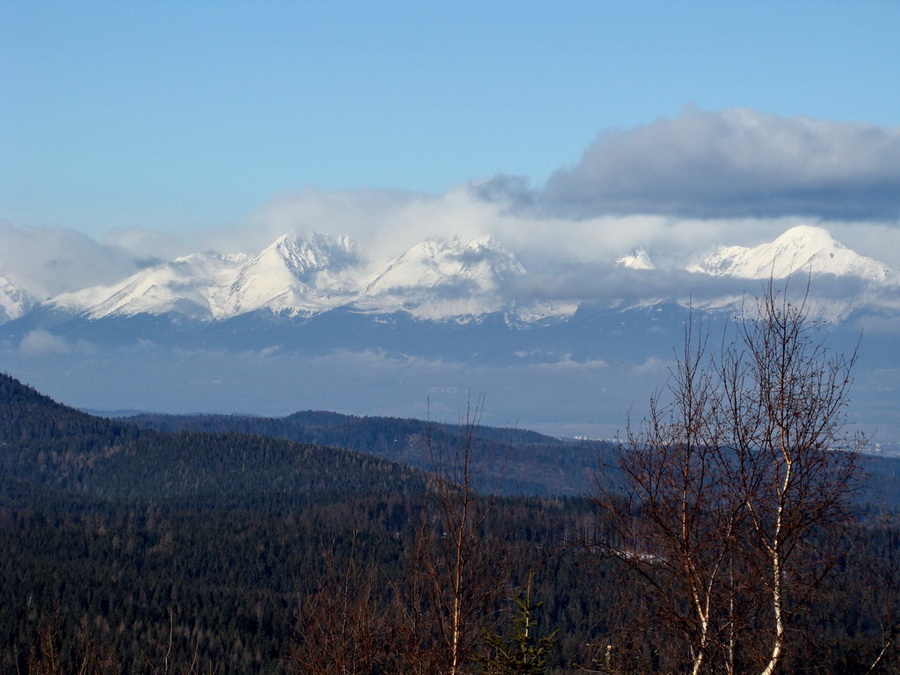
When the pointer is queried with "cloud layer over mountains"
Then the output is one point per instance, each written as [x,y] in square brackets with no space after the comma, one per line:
[662,185]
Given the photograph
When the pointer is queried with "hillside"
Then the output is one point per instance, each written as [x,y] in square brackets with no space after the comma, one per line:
[130,548]
[50,444]
[511,461]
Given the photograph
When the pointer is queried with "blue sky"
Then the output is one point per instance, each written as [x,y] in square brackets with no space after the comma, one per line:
[184,115]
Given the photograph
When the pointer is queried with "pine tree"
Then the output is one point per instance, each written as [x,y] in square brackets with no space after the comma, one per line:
[522,652]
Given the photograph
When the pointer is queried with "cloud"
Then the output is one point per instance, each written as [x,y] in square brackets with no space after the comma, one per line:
[574,258]
[729,163]
[48,261]
[147,247]
[383,223]
[654,366]
[42,343]
[565,259]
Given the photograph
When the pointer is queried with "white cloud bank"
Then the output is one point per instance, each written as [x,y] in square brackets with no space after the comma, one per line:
[48,261]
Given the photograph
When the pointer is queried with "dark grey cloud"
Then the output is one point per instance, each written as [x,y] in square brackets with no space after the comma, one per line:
[730,163]
[504,188]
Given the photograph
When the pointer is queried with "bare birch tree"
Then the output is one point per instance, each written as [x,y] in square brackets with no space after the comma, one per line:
[679,524]
[741,461]
[342,629]
[794,466]
[463,572]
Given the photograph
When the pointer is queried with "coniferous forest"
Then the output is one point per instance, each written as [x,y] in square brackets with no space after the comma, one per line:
[329,544]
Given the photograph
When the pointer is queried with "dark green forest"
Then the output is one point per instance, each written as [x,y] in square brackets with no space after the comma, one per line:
[513,461]
[322,543]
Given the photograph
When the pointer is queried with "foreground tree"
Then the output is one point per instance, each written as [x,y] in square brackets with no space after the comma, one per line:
[793,466]
[459,574]
[736,486]
[343,628]
[522,652]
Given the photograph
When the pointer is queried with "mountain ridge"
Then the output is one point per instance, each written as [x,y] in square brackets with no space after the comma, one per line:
[449,279]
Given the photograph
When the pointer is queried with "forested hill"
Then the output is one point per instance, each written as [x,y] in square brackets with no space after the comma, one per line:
[511,461]
[49,444]
[134,550]
[26,415]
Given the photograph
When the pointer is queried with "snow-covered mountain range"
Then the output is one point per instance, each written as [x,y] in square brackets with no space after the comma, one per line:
[301,277]
[451,279]
[317,321]
[444,279]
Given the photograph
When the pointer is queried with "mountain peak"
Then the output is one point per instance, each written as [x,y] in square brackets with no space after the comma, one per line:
[188,285]
[299,275]
[445,278]
[804,248]
[14,301]
[306,255]
[638,260]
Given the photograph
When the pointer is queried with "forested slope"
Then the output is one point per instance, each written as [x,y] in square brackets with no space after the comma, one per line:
[136,550]
[123,541]
[51,444]
[513,461]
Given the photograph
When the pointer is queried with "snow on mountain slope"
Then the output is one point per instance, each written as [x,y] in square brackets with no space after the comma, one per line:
[801,249]
[297,276]
[192,285]
[14,301]
[638,260]
[444,279]
[847,281]
[460,279]
[294,275]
